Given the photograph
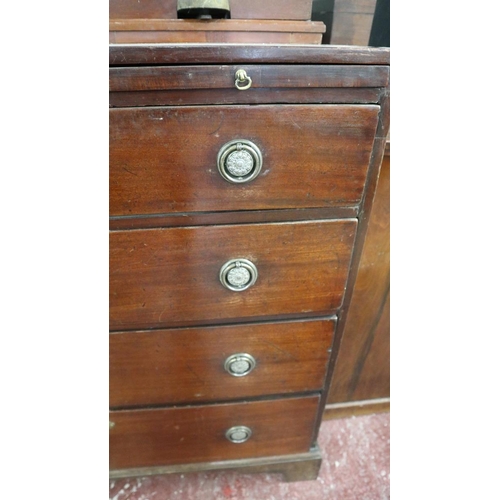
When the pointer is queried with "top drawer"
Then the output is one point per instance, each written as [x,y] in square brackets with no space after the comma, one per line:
[165,159]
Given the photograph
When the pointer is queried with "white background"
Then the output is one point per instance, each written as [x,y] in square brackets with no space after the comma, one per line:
[444,257]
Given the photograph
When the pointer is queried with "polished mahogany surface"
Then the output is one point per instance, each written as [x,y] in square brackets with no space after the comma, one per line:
[164,160]
[187,365]
[170,277]
[141,438]
[319,117]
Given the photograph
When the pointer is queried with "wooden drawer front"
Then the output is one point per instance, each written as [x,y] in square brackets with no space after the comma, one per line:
[296,76]
[187,365]
[170,277]
[142,438]
[164,160]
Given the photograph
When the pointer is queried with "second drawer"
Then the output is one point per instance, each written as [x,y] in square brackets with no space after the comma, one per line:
[217,363]
[172,277]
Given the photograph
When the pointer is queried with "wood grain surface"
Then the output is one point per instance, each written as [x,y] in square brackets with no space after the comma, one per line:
[175,222]
[214,25]
[262,37]
[223,218]
[293,467]
[187,365]
[214,31]
[234,96]
[352,22]
[275,10]
[263,76]
[153,9]
[363,370]
[240,9]
[142,438]
[359,407]
[170,277]
[164,160]
[149,54]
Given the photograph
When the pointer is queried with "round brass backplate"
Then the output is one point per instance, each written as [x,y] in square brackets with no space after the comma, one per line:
[239,161]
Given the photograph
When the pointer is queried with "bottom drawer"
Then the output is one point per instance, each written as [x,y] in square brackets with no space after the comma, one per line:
[154,437]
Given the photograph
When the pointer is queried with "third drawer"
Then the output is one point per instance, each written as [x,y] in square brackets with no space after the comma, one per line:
[218,363]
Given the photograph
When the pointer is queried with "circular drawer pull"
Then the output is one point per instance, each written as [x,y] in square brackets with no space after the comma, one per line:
[238,274]
[242,81]
[239,161]
[239,365]
[238,434]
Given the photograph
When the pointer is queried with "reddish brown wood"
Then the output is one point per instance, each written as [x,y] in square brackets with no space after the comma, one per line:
[215,31]
[352,22]
[127,55]
[277,9]
[364,216]
[132,9]
[363,370]
[293,467]
[234,96]
[240,9]
[363,407]
[170,277]
[223,77]
[142,438]
[124,37]
[164,160]
[374,375]
[187,365]
[243,217]
[215,25]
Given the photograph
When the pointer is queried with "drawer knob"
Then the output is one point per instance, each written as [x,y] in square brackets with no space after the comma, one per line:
[239,161]
[241,80]
[239,365]
[238,274]
[238,434]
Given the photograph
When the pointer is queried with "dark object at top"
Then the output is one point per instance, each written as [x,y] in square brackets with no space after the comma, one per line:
[381,27]
[203,9]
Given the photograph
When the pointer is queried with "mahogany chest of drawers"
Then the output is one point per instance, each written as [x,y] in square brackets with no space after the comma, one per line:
[241,182]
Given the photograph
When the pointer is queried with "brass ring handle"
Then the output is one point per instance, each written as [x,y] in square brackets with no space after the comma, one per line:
[238,434]
[239,161]
[238,274]
[242,80]
[239,365]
